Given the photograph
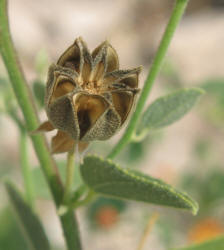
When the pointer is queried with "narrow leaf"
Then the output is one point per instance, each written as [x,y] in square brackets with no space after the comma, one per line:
[168,109]
[106,178]
[215,244]
[30,222]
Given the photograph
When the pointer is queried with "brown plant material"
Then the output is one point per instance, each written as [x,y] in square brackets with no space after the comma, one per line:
[87,97]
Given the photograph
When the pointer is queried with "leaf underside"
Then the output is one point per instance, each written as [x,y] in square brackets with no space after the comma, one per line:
[106,178]
[167,109]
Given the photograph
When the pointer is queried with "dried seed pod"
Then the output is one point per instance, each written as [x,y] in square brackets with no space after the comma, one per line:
[87,96]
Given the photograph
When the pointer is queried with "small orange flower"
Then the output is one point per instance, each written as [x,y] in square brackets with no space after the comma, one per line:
[206,229]
[87,96]
[107,216]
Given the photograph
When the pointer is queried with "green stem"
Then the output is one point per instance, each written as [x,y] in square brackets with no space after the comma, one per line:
[80,191]
[24,98]
[175,18]
[26,170]
[78,203]
[69,174]
[71,231]
[89,197]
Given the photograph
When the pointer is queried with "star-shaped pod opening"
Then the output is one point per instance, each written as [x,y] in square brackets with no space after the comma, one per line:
[87,96]
[123,79]
[88,108]
[63,85]
[123,102]
[91,68]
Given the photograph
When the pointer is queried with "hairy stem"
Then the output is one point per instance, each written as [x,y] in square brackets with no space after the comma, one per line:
[175,18]
[24,98]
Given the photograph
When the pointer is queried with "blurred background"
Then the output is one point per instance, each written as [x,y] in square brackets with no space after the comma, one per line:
[188,154]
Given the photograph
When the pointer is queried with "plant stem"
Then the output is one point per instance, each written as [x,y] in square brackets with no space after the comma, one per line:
[89,197]
[24,98]
[26,170]
[71,231]
[69,174]
[175,18]
[78,203]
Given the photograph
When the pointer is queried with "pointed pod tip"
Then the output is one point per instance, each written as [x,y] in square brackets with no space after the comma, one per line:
[106,42]
[140,68]
[79,39]
[80,43]
[105,45]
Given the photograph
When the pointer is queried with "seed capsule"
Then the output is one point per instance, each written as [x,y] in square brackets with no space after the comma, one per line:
[87,97]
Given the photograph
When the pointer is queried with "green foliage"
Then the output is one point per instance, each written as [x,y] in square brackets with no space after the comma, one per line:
[11,237]
[214,87]
[30,222]
[209,189]
[39,92]
[102,176]
[214,101]
[168,109]
[215,244]
[40,185]
[106,178]
[212,189]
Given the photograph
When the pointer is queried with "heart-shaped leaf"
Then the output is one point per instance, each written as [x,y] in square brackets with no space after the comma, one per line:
[31,224]
[106,178]
[168,109]
[214,244]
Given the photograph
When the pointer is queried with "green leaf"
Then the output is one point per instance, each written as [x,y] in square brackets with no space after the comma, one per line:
[214,86]
[30,222]
[215,244]
[11,237]
[168,109]
[106,178]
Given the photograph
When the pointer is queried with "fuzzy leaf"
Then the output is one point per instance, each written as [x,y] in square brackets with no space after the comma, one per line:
[214,244]
[168,109]
[30,222]
[106,178]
